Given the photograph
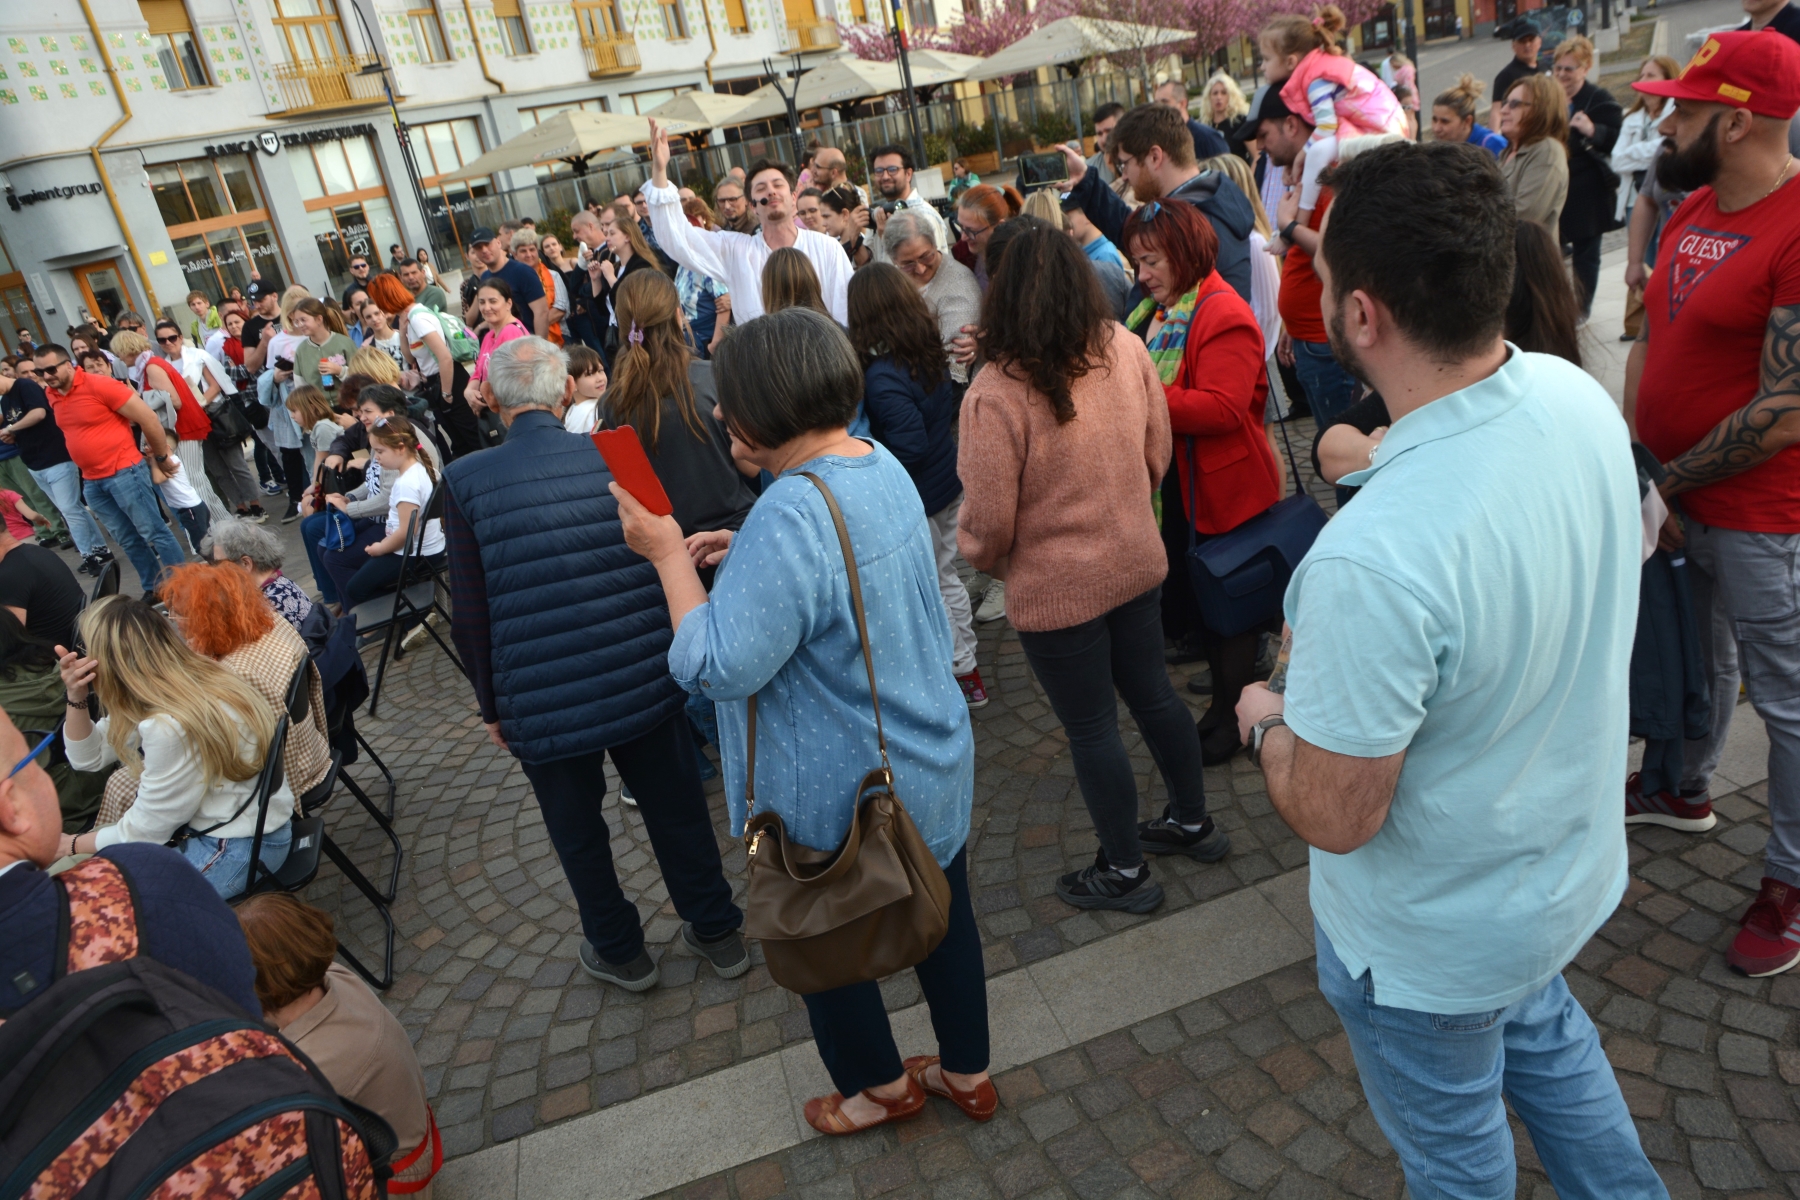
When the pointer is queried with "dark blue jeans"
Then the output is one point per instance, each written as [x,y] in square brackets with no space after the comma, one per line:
[1329,388]
[126,504]
[344,565]
[660,771]
[311,530]
[850,1024]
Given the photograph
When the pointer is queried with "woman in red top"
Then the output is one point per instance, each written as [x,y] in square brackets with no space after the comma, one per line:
[192,425]
[1208,349]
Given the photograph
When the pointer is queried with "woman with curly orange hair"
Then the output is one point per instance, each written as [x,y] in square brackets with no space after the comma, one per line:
[222,614]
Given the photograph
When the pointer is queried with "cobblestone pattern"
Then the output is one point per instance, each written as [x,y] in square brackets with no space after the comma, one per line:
[1254,1092]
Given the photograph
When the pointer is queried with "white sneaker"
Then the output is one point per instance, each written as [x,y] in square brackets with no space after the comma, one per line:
[416,632]
[993,602]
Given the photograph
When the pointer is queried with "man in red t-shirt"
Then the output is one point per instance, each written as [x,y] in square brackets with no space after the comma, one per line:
[1304,342]
[1713,389]
[96,416]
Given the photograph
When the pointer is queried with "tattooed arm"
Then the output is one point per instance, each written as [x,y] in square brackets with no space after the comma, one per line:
[1762,428]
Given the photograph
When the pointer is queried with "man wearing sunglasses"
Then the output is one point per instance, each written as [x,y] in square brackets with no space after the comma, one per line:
[181,921]
[97,416]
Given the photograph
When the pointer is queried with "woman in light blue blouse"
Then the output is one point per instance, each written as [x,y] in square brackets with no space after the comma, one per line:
[779,626]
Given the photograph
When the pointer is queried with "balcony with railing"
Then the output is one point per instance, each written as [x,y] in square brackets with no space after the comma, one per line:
[611,54]
[805,35]
[322,84]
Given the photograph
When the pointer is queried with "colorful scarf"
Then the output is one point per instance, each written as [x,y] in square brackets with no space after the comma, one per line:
[1169,343]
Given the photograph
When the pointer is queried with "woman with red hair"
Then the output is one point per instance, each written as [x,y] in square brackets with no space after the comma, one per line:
[221,613]
[979,211]
[436,375]
[1224,471]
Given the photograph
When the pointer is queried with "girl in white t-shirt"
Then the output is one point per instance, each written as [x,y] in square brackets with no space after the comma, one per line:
[409,481]
[589,374]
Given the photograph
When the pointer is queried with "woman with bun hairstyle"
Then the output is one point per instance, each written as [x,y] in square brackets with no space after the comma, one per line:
[1453,117]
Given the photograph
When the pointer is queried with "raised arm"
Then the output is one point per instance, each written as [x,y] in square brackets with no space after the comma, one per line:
[693,248]
[1767,425]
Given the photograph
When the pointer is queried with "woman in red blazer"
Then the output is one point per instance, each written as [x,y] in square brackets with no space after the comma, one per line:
[1208,349]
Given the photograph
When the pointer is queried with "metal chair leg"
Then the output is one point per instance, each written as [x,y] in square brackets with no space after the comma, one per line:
[387,648]
[392,788]
[337,856]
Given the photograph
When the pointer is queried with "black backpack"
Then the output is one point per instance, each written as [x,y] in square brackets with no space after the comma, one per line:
[125,1077]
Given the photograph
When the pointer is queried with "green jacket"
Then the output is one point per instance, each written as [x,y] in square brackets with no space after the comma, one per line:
[34,701]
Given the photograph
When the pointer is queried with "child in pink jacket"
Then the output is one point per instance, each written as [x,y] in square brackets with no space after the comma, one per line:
[1346,99]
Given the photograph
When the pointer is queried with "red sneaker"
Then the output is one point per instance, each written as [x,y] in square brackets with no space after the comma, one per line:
[1690,814]
[973,692]
[1769,942]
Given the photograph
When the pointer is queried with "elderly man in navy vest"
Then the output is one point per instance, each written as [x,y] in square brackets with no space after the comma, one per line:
[566,633]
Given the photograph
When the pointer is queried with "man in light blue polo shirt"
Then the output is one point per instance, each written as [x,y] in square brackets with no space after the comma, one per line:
[1452,739]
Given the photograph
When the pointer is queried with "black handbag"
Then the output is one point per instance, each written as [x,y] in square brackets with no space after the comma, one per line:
[1240,576]
[251,409]
[229,428]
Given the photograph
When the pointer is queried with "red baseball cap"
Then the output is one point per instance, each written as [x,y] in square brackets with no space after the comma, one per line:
[1743,69]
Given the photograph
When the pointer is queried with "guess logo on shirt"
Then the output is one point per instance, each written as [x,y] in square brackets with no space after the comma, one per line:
[1696,254]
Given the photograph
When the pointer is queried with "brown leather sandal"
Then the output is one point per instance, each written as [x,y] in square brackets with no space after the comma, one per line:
[826,1114]
[979,1105]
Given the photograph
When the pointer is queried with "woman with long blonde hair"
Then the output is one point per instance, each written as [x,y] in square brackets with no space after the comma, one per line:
[660,389]
[374,363]
[193,735]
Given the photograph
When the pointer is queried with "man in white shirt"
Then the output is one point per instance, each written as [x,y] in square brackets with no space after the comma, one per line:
[891,171]
[738,258]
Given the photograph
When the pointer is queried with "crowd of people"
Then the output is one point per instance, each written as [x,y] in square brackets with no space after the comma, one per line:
[1082,394]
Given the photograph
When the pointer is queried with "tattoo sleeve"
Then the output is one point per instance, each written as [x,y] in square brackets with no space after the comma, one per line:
[1767,425]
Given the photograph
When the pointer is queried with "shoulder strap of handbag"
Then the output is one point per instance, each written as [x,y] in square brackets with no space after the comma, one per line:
[862,631]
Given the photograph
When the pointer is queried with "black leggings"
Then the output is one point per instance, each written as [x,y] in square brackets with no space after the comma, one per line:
[850,1024]
[454,416]
[1587,270]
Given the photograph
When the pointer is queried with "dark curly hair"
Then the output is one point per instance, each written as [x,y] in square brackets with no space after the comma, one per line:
[889,316]
[1045,319]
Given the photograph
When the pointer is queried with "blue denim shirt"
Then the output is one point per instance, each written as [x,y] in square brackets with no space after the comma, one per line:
[779,625]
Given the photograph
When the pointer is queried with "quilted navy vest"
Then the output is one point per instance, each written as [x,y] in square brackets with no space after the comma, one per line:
[580,628]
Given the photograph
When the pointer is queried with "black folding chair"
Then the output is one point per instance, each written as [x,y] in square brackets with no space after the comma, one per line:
[414,600]
[310,838]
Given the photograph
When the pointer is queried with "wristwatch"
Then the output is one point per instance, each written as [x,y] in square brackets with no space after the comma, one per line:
[1287,231]
[1260,730]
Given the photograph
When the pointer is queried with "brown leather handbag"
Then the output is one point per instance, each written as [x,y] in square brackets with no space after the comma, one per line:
[877,904]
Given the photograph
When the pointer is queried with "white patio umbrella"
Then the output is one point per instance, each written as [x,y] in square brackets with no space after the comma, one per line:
[1070,40]
[840,81]
[705,110]
[959,65]
[575,137]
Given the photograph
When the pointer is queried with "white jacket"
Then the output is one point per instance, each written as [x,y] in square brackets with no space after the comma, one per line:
[172,791]
[1635,150]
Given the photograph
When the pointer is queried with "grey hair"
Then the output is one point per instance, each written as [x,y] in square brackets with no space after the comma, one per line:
[525,237]
[239,538]
[584,217]
[528,372]
[903,227]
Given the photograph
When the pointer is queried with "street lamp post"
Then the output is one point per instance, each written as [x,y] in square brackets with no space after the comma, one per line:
[403,135]
[787,98]
[912,99]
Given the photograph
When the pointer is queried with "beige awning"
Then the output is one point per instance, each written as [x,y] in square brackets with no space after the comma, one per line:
[573,136]
[840,81]
[706,110]
[1070,40]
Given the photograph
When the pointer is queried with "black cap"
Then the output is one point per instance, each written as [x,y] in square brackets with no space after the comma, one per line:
[482,236]
[1265,105]
[256,289]
[1525,28]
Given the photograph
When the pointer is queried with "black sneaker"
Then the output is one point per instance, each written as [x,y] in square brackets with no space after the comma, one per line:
[291,515]
[1164,835]
[727,953]
[638,975]
[256,514]
[1099,886]
[92,564]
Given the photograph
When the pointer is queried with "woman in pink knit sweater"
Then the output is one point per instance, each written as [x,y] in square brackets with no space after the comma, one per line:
[1065,435]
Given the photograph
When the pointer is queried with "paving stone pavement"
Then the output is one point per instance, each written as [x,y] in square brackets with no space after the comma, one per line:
[1253,1095]
[1254,1092]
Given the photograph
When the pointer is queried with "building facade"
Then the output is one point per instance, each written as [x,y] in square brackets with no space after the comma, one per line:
[154,148]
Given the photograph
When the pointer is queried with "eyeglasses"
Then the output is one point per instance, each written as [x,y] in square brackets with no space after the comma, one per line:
[915,266]
[35,751]
[1515,104]
[886,170]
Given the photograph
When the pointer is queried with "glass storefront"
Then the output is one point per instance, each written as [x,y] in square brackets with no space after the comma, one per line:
[455,208]
[216,218]
[17,312]
[347,204]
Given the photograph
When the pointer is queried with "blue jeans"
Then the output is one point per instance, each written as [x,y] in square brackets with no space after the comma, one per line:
[126,503]
[195,522]
[226,861]
[312,529]
[62,483]
[1435,1083]
[1329,388]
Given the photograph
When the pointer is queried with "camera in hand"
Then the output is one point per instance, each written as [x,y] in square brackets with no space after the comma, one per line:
[1042,170]
[284,364]
[887,206]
